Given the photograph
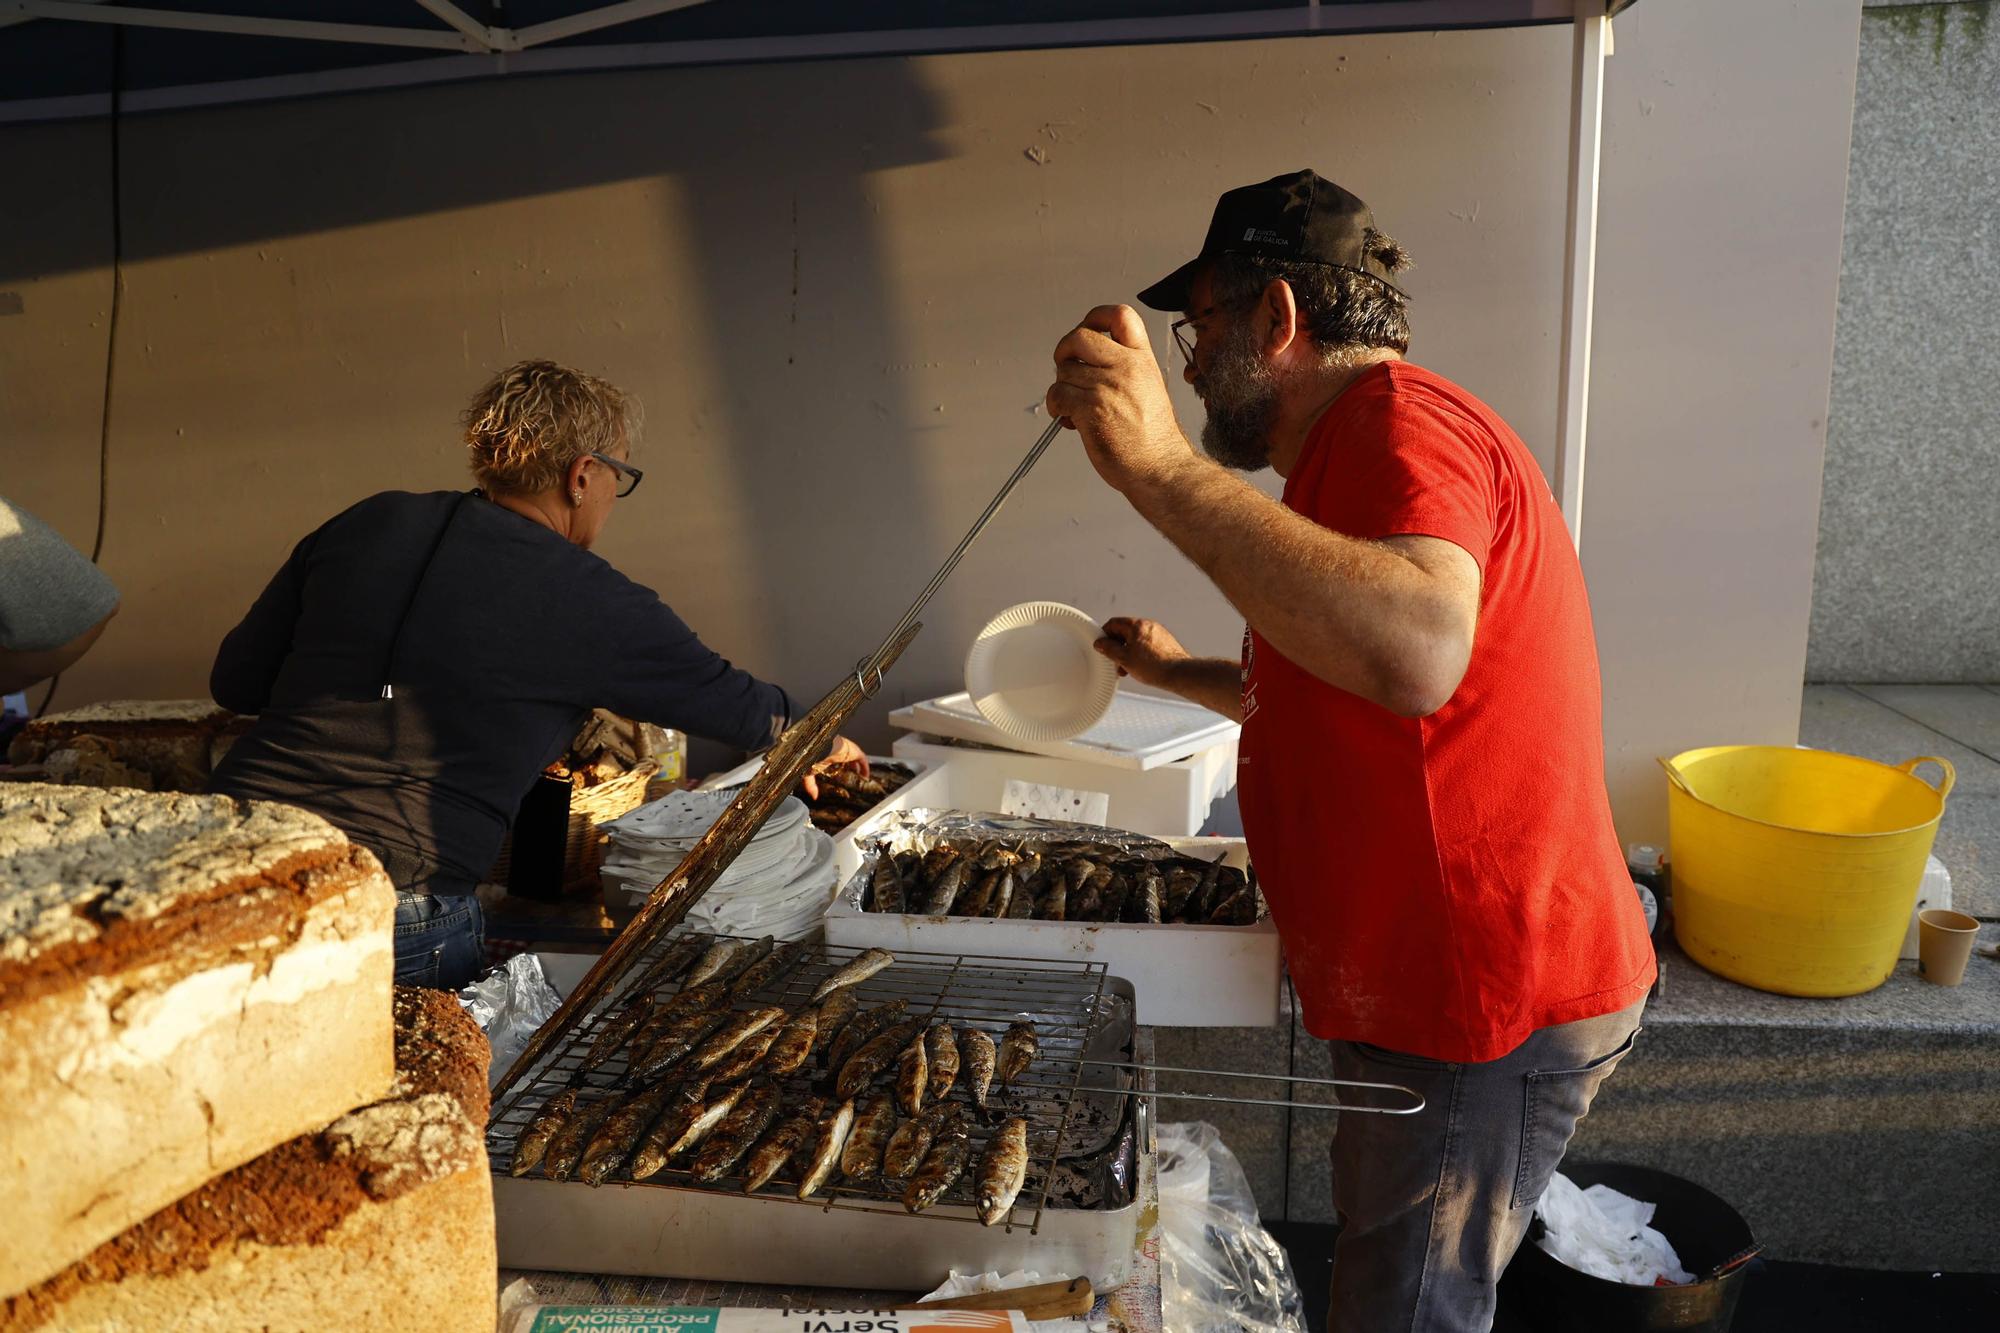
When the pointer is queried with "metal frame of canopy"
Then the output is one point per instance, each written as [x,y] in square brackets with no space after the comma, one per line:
[485,51]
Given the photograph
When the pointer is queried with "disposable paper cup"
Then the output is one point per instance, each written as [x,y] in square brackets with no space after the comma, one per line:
[1944,943]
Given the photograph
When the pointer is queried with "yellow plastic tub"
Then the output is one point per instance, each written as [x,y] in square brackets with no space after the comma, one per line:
[1796,871]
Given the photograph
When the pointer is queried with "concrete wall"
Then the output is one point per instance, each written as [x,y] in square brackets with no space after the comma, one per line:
[1908,580]
[835,286]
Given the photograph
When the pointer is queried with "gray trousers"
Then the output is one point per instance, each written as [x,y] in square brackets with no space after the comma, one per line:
[1432,1206]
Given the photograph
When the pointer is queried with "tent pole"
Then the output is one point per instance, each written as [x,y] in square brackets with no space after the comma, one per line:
[1592,31]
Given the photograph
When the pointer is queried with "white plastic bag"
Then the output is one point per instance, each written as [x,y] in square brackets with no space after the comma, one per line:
[509,1003]
[1220,1271]
[1605,1234]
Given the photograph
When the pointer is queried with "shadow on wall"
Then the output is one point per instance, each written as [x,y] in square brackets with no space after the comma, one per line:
[767,203]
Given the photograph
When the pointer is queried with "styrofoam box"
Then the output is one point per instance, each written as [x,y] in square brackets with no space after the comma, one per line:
[1182,976]
[1169,801]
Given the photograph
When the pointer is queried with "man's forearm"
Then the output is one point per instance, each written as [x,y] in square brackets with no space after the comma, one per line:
[1216,683]
[1352,612]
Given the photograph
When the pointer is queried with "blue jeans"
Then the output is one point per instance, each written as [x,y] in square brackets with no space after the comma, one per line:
[439,940]
[1433,1205]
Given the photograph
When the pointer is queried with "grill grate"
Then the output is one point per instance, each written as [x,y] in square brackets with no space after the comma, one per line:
[1076,1017]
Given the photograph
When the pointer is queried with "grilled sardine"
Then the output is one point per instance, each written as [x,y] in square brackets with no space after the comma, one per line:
[834,1013]
[619,1134]
[675,1044]
[941,1047]
[913,1076]
[615,1029]
[828,1145]
[874,1123]
[861,1029]
[767,969]
[1018,1049]
[680,1128]
[711,964]
[794,1044]
[738,1029]
[671,964]
[856,970]
[777,1148]
[943,1164]
[1151,888]
[862,1066]
[885,887]
[744,1125]
[912,1139]
[566,1148]
[746,1057]
[1002,1168]
[944,890]
[745,958]
[976,1053]
[534,1141]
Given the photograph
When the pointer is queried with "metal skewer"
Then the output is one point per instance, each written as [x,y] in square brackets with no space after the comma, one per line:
[1256,1101]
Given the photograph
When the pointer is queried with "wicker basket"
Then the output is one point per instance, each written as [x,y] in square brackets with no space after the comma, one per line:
[554,848]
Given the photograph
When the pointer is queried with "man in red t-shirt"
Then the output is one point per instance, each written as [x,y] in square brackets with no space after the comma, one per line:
[1422,761]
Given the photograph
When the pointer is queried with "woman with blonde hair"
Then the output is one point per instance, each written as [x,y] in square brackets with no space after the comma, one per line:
[419,659]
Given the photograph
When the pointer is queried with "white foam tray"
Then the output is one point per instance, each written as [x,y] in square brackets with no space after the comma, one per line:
[1171,800]
[1182,976]
[1141,731]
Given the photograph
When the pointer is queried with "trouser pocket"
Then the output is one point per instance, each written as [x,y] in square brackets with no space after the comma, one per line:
[1556,1100]
[419,966]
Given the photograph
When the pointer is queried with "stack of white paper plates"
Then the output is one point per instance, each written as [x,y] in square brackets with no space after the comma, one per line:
[779,884]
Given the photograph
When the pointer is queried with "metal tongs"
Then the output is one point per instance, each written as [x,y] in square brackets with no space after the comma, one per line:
[1411,1093]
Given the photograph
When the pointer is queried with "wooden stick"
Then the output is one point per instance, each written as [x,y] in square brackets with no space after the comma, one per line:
[797,750]
[1064,1298]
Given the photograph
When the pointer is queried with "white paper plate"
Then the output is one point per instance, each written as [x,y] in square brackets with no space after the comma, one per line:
[1033,674]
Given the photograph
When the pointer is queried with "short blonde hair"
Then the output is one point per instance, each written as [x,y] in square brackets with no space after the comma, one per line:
[535,418]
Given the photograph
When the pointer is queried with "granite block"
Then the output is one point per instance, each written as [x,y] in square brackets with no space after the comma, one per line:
[1877,1148]
[1258,1136]
[1905,1003]
[1311,1192]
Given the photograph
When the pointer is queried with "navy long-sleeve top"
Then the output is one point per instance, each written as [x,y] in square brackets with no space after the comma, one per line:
[497,637]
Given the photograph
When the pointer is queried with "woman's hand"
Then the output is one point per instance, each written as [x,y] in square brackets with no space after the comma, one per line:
[844,754]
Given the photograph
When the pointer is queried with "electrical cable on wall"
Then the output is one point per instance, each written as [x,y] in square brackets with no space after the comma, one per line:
[117,36]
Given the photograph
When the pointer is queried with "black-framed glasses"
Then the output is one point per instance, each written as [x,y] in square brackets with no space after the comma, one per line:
[629,477]
[1181,340]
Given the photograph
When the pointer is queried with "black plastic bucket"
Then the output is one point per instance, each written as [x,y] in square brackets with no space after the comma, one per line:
[1713,1241]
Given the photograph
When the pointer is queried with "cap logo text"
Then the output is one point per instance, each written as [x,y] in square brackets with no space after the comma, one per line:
[1265,236]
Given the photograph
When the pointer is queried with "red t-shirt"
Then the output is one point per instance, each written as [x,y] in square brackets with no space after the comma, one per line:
[1444,885]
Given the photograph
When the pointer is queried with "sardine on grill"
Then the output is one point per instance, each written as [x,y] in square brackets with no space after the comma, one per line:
[745,958]
[944,1162]
[912,1139]
[566,1148]
[616,1138]
[777,1147]
[941,1051]
[874,1123]
[767,969]
[824,1153]
[711,964]
[1018,1049]
[676,1043]
[670,965]
[913,1076]
[793,1045]
[615,1029]
[979,1058]
[874,1057]
[1002,1167]
[744,1125]
[695,1000]
[861,1029]
[746,1057]
[856,970]
[534,1140]
[681,1127]
[733,1033]
[831,1017]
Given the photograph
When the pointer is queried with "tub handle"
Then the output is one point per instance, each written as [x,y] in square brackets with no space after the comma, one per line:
[1944,787]
[1679,779]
